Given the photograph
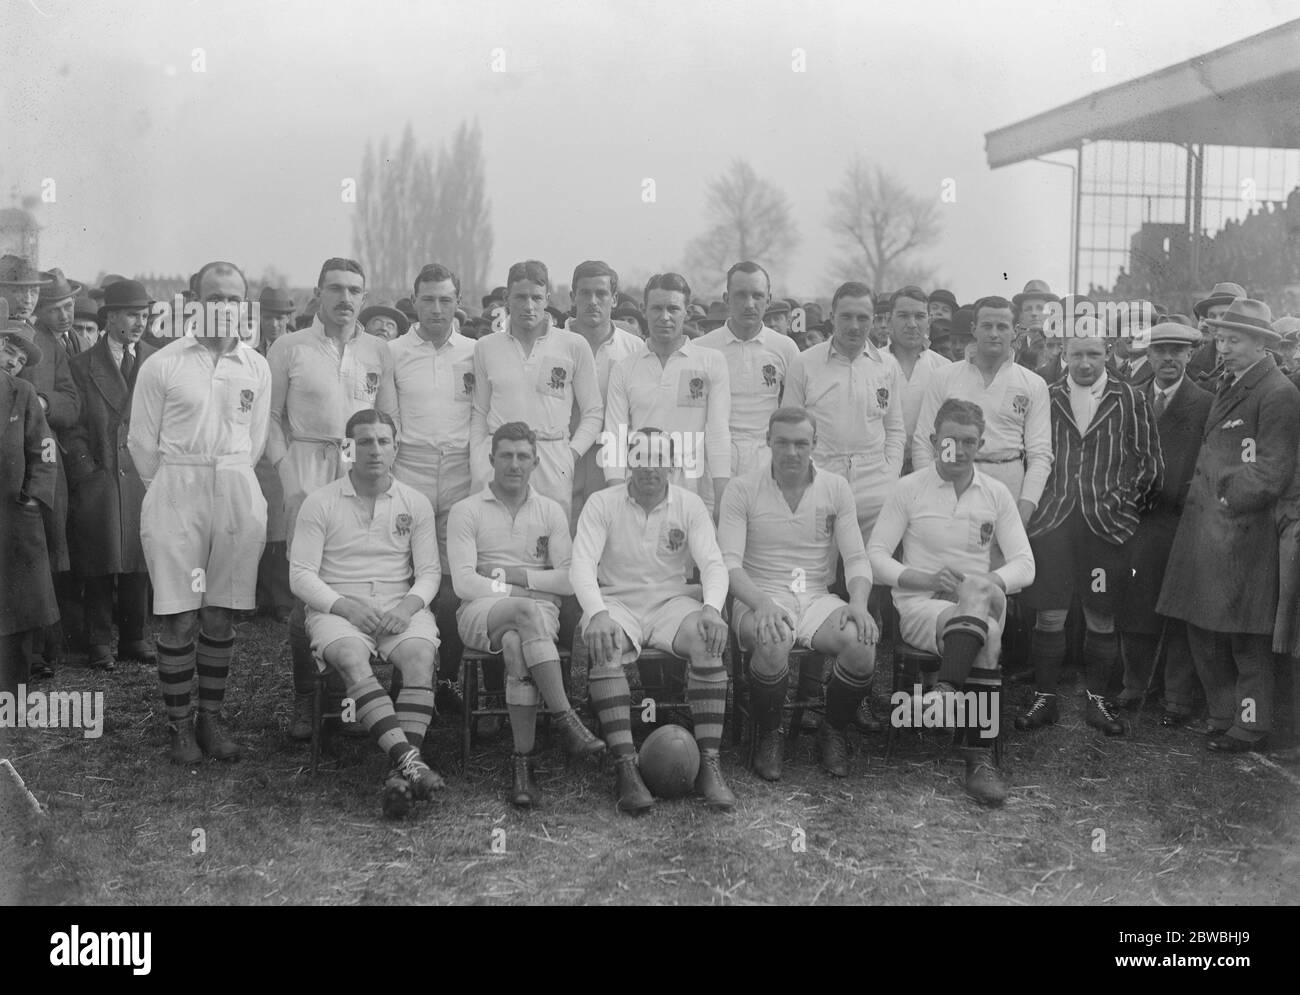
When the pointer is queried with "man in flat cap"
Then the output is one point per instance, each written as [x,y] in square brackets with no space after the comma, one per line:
[942,304]
[85,321]
[777,317]
[1180,409]
[27,482]
[105,490]
[1222,576]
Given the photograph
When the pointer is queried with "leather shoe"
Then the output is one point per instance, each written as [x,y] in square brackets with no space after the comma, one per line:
[100,658]
[864,718]
[1101,715]
[633,796]
[210,734]
[983,782]
[1042,712]
[833,750]
[1173,720]
[1231,744]
[41,670]
[139,650]
[524,793]
[711,784]
[767,755]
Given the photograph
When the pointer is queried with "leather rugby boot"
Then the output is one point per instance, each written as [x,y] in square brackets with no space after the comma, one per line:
[184,749]
[711,784]
[1102,715]
[1041,712]
[767,755]
[212,738]
[833,750]
[633,796]
[579,741]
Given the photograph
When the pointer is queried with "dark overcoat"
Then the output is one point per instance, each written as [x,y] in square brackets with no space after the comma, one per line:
[26,589]
[52,379]
[1181,426]
[1223,569]
[105,491]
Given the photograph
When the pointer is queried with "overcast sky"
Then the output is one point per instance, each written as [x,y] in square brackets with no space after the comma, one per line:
[159,168]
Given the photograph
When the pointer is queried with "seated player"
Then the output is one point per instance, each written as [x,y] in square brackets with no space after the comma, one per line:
[635,546]
[509,550]
[781,529]
[365,562]
[948,516]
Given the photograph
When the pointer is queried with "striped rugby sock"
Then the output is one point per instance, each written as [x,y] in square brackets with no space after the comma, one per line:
[176,676]
[375,712]
[706,690]
[414,712]
[612,700]
[844,694]
[213,658]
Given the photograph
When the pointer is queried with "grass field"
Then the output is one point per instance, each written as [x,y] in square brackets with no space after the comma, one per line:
[123,825]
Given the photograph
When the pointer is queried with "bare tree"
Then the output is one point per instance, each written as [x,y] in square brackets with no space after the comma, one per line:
[749,218]
[881,226]
[409,213]
[462,236]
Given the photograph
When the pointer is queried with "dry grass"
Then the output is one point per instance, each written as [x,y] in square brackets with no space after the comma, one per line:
[1181,826]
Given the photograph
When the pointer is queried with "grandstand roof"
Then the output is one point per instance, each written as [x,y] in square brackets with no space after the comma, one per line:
[1242,94]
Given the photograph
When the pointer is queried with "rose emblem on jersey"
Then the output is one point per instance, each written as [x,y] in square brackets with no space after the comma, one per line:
[697,388]
[543,548]
[245,401]
[986,533]
[558,376]
[882,397]
[676,539]
[372,384]
[467,381]
[769,375]
[1020,403]
[402,524]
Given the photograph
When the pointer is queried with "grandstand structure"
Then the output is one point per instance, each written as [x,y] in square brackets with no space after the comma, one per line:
[1182,177]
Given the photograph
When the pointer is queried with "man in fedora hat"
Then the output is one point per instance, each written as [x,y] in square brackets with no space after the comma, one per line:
[20,287]
[1180,409]
[51,316]
[105,489]
[199,415]
[1289,328]
[1205,360]
[27,484]
[275,308]
[1222,577]
[1031,309]
[85,321]
[383,321]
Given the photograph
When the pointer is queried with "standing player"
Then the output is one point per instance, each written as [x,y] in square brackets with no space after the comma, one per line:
[678,385]
[199,419]
[510,551]
[758,361]
[634,548]
[853,390]
[433,371]
[909,332]
[319,376]
[781,530]
[535,374]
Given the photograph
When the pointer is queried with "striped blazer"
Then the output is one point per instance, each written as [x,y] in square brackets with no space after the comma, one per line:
[1111,471]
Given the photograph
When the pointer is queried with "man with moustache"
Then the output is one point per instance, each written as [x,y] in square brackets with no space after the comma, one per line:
[1223,571]
[854,391]
[594,290]
[1180,409]
[758,361]
[319,377]
[535,373]
[199,421]
[27,481]
[1107,468]
[105,489]
[46,300]
[909,325]
[679,386]
[1017,447]
[433,373]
